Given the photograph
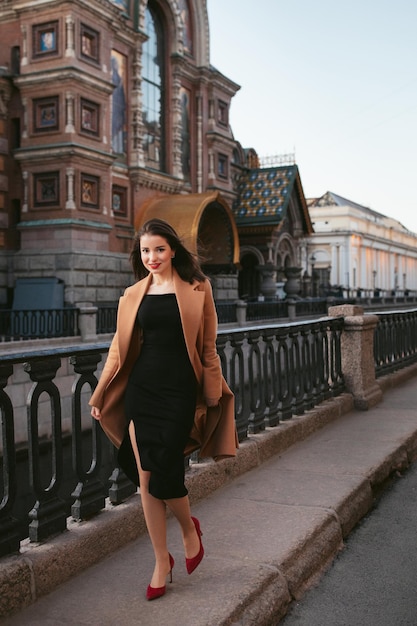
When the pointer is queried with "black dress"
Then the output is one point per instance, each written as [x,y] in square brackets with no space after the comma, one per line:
[161,397]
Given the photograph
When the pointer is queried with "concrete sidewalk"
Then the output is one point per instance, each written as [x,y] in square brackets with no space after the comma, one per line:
[269,533]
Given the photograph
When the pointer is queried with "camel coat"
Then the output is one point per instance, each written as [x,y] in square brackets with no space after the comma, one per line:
[214,431]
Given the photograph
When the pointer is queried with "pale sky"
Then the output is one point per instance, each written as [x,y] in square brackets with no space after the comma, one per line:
[334,82]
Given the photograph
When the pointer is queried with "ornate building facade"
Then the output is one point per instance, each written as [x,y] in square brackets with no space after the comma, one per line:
[106,107]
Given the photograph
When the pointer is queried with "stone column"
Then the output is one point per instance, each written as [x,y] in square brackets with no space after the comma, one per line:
[70,204]
[357,347]
[241,307]
[69,110]
[69,29]
[87,322]
[25,206]
[25,118]
[200,142]
[176,126]
[24,59]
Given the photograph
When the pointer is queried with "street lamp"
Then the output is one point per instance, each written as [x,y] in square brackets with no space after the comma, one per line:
[313,260]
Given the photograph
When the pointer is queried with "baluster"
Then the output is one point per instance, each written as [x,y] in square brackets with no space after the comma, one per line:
[237,384]
[324,356]
[393,342]
[339,325]
[221,351]
[9,533]
[412,338]
[89,492]
[121,486]
[257,405]
[336,374]
[377,345]
[405,345]
[270,378]
[296,377]
[385,355]
[48,514]
[283,374]
[317,373]
[306,366]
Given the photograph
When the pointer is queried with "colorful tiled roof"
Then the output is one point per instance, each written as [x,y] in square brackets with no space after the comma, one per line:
[264,195]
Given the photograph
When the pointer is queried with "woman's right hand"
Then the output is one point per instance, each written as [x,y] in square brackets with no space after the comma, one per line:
[96,413]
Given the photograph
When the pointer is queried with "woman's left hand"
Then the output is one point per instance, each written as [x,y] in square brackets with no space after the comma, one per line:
[96,413]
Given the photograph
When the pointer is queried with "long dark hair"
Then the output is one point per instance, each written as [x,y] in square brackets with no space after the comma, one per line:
[186,263]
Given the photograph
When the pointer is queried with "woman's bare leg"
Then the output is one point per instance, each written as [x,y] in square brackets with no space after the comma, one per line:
[155,517]
[180,507]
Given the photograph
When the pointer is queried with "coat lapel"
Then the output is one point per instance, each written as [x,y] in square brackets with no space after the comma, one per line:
[190,303]
[128,308]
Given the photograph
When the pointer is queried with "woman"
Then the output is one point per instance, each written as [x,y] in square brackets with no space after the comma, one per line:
[161,393]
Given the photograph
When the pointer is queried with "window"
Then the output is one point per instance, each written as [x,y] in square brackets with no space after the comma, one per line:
[153,92]
[89,44]
[122,4]
[15,133]
[119,103]
[186,24]
[15,60]
[222,113]
[45,114]
[119,201]
[45,39]
[90,116]
[222,166]
[89,191]
[46,189]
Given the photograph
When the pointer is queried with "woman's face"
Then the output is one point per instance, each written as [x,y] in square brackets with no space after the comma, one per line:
[156,254]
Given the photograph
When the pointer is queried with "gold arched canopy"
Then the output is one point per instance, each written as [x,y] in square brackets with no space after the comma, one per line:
[203,221]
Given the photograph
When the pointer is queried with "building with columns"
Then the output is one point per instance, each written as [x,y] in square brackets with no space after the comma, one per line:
[358,249]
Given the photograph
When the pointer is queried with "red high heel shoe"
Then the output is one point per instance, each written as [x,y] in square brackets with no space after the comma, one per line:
[195,561]
[152,593]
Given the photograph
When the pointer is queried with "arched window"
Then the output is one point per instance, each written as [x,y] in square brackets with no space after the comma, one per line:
[186,23]
[153,91]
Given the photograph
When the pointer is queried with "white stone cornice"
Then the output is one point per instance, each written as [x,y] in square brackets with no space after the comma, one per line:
[58,152]
[216,79]
[219,139]
[65,74]
[151,180]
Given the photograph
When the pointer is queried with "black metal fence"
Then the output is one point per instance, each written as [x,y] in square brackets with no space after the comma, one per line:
[106,318]
[275,309]
[257,311]
[38,324]
[275,372]
[395,341]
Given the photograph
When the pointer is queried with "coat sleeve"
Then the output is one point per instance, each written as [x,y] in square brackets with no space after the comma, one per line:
[110,367]
[212,372]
